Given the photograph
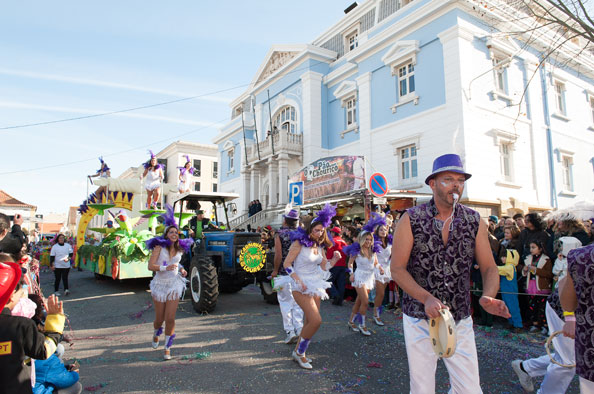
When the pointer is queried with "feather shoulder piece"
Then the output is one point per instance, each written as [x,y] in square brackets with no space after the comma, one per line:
[377,247]
[352,250]
[186,244]
[157,241]
[300,235]
[390,239]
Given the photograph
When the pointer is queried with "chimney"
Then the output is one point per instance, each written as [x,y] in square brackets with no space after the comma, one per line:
[351,7]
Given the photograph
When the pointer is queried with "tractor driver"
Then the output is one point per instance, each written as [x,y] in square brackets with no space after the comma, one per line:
[198,224]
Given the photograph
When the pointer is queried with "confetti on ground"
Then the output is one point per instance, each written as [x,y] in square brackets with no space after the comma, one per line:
[196,356]
[96,387]
[374,365]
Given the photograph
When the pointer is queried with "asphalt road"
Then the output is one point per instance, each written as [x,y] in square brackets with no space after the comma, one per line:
[239,348]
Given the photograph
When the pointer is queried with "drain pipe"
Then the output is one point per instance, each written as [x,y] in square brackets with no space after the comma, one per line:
[547,119]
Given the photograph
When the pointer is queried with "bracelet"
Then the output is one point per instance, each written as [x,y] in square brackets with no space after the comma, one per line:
[289,270]
[162,268]
[568,313]
[569,318]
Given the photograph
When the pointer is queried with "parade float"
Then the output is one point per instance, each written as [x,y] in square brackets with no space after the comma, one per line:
[122,253]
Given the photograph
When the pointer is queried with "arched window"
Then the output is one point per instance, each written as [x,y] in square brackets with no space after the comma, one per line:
[286,119]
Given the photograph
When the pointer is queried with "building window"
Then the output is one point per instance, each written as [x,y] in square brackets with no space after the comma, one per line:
[567,168]
[592,109]
[352,40]
[231,159]
[499,65]
[286,119]
[560,97]
[163,162]
[505,152]
[351,112]
[197,186]
[406,80]
[214,187]
[408,163]
[197,168]
[215,170]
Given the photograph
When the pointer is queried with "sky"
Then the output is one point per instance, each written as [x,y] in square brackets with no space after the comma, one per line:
[67,59]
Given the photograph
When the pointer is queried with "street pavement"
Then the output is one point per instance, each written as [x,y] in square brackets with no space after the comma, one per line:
[239,348]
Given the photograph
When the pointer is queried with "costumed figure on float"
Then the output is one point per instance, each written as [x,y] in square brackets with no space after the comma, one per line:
[103,172]
[308,267]
[185,183]
[169,283]
[364,254]
[153,172]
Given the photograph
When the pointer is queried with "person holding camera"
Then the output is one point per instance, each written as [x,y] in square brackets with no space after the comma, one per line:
[11,242]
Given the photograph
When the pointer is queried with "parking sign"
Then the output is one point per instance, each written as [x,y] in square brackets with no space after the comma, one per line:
[296,193]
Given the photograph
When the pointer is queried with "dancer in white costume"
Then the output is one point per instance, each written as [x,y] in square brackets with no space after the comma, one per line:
[308,267]
[363,279]
[383,242]
[169,282]
[291,313]
[185,172]
[153,172]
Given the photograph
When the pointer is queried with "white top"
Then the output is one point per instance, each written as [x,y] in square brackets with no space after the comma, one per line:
[165,260]
[383,257]
[363,263]
[153,176]
[307,262]
[61,252]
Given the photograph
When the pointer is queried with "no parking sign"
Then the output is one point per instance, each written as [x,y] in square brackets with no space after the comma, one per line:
[378,185]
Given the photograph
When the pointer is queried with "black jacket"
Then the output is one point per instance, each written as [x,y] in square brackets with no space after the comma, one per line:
[20,339]
[13,242]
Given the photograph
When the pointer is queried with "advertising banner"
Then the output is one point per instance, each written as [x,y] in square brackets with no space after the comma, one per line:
[331,175]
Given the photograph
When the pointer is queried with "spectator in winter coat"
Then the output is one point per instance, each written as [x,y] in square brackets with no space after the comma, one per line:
[52,375]
[338,272]
[519,219]
[12,241]
[534,231]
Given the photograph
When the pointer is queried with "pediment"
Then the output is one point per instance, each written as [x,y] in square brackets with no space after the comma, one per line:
[276,60]
[345,89]
[502,45]
[400,52]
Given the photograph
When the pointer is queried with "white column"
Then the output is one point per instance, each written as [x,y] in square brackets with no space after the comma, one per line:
[312,116]
[258,109]
[245,183]
[272,182]
[283,178]
[255,183]
[364,115]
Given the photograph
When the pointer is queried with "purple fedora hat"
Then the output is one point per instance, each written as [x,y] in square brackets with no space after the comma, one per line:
[449,162]
[292,214]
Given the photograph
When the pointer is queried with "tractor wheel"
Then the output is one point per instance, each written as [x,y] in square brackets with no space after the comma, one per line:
[204,284]
[267,293]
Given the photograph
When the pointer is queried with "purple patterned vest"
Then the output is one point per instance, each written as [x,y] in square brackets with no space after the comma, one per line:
[580,265]
[444,271]
[285,239]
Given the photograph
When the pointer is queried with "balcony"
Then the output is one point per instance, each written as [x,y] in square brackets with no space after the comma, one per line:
[284,142]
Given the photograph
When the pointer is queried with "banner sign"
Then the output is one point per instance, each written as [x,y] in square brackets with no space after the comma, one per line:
[331,175]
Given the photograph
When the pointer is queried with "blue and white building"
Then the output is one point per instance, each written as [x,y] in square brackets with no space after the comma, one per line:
[402,82]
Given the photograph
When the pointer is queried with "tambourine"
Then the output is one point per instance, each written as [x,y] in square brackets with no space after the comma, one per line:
[548,349]
[442,332]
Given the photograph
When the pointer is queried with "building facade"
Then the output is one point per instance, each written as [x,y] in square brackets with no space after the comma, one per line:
[11,206]
[402,82]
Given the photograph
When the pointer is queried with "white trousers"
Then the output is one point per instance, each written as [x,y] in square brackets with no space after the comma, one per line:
[422,361]
[291,312]
[586,386]
[556,378]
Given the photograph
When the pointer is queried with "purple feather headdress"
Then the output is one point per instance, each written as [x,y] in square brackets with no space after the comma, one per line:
[373,222]
[300,235]
[147,164]
[169,217]
[187,158]
[325,215]
[102,168]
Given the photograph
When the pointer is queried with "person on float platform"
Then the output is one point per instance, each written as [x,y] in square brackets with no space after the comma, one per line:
[19,337]
[310,275]
[432,254]
[577,299]
[291,313]
[153,171]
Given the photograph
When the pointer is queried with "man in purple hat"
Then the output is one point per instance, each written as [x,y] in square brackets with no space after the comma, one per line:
[291,312]
[434,247]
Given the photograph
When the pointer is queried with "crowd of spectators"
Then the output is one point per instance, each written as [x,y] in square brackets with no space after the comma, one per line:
[31,323]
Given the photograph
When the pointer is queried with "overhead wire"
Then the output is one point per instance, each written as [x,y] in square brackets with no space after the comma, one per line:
[129,110]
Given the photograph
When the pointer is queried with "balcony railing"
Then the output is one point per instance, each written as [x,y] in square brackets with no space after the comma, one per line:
[284,142]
